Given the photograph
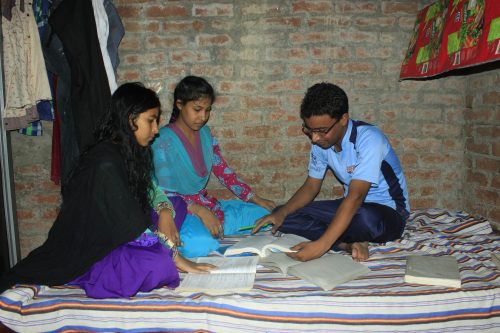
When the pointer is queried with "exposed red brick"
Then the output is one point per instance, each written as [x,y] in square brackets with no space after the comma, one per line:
[128,11]
[208,70]
[340,52]
[48,198]
[375,21]
[270,164]
[379,52]
[356,7]
[284,85]
[312,6]
[495,147]
[134,26]
[289,54]
[492,97]
[487,131]
[24,214]
[358,36]
[187,56]
[487,164]
[477,178]
[207,40]
[166,11]
[335,21]
[282,22]
[242,148]
[487,196]
[354,67]
[395,7]
[418,203]
[128,75]
[260,102]
[314,69]
[156,42]
[311,37]
[480,148]
[213,10]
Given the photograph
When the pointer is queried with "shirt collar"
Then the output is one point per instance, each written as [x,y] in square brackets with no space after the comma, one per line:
[347,135]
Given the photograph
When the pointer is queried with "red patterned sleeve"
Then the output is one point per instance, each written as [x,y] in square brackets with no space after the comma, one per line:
[227,176]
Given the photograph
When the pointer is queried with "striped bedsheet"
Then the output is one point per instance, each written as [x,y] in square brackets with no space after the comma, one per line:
[377,302]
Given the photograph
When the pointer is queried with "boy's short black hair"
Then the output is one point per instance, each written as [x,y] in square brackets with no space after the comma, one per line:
[324,98]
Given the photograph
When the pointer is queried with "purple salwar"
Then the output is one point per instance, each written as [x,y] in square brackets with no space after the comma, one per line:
[140,265]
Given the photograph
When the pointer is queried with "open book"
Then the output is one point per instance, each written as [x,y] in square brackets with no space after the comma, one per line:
[262,245]
[326,272]
[232,274]
[428,270]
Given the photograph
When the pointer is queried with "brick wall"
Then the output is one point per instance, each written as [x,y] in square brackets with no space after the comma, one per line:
[482,146]
[37,198]
[261,56]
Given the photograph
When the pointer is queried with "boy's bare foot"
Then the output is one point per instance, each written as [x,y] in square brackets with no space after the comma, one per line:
[358,250]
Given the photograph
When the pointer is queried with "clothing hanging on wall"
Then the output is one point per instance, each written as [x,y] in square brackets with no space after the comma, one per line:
[116,33]
[57,63]
[73,22]
[64,156]
[102,26]
[26,80]
[83,40]
[45,110]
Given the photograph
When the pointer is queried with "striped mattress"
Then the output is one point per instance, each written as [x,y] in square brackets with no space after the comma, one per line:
[377,302]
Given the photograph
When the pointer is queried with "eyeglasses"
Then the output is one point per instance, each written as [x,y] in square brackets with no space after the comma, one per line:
[320,131]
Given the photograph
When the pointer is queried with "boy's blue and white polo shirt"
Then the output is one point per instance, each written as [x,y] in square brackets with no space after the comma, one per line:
[366,155]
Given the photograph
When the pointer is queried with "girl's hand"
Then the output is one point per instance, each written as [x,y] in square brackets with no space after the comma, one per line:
[209,219]
[267,204]
[167,226]
[188,266]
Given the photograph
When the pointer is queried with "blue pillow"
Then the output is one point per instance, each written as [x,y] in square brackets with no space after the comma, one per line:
[197,240]
[238,214]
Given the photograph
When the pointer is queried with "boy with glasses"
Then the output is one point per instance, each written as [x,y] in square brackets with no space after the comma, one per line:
[375,203]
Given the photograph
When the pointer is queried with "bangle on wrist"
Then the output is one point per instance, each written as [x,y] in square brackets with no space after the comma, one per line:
[167,243]
[165,205]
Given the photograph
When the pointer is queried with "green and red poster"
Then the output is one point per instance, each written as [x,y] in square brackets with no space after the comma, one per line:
[452,34]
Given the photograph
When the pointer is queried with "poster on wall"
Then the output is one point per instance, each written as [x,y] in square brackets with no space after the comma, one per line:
[450,34]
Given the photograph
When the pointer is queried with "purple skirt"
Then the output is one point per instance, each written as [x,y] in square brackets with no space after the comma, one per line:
[140,265]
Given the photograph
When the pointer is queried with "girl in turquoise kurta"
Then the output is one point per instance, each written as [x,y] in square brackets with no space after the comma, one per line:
[185,154]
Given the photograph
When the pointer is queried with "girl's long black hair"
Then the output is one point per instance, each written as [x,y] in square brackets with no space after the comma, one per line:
[118,126]
[191,88]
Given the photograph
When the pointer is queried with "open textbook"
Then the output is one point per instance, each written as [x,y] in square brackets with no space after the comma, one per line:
[429,270]
[232,274]
[326,272]
[262,245]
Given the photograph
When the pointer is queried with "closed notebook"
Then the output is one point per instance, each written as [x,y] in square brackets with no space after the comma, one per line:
[429,270]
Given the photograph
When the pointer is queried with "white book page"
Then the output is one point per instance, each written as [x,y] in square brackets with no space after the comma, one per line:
[284,243]
[263,245]
[217,282]
[250,244]
[279,261]
[231,265]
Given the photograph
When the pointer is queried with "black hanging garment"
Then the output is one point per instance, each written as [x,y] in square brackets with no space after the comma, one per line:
[73,22]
